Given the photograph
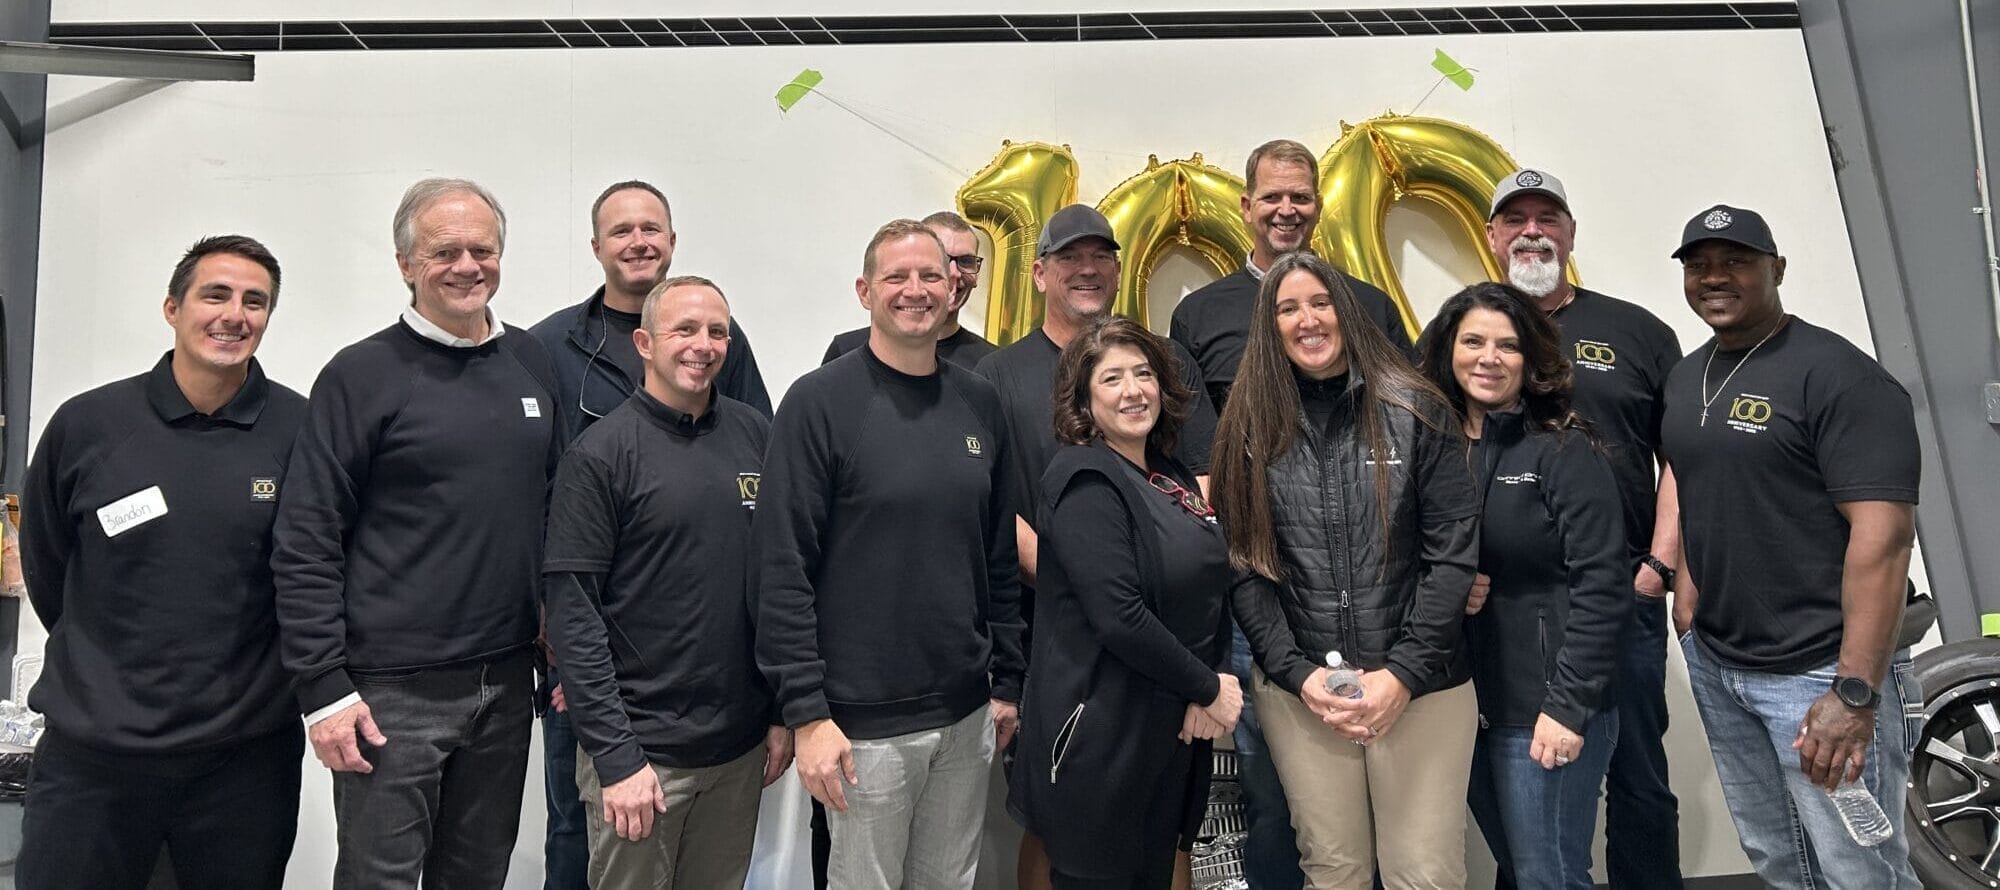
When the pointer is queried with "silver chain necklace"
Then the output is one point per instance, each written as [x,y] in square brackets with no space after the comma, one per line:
[1706,399]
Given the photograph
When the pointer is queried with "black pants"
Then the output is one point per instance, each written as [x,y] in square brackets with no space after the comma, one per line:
[98,819]
[444,801]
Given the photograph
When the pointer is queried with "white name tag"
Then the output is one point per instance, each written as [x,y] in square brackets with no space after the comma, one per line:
[132,511]
[530,408]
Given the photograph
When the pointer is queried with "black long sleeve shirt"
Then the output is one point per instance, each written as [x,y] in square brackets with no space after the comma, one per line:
[886,573]
[146,542]
[409,530]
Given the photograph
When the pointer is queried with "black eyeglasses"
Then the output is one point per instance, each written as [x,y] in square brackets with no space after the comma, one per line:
[1191,501]
[969,262]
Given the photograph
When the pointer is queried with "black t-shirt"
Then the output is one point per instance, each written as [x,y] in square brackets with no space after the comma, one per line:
[963,348]
[1621,355]
[1805,423]
[1025,371]
[146,539]
[652,508]
[618,345]
[1213,324]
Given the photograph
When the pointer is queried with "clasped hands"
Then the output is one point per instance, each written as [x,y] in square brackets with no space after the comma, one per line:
[1359,720]
[1217,717]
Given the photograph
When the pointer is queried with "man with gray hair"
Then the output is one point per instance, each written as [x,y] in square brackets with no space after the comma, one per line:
[1621,355]
[408,548]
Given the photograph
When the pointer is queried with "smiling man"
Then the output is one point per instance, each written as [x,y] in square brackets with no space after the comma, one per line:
[955,344]
[1797,460]
[409,541]
[1621,355]
[888,614]
[646,575]
[169,720]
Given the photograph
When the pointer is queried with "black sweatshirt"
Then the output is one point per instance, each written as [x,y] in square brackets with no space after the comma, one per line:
[146,541]
[1554,544]
[409,529]
[963,348]
[647,579]
[886,565]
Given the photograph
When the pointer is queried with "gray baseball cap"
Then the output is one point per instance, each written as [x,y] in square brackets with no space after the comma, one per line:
[1528,181]
[1068,225]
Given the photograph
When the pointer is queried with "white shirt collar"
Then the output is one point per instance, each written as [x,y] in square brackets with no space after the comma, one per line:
[1250,266]
[431,331]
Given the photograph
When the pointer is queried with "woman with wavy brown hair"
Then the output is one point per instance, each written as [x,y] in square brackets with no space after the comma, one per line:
[1112,766]
[1342,480]
[1552,559]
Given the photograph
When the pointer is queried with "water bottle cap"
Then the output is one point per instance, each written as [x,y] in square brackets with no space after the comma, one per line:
[1333,659]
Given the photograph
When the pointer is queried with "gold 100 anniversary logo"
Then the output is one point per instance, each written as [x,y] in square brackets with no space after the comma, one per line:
[1191,204]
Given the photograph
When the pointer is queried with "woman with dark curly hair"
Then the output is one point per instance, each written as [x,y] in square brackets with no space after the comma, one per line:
[1341,477]
[1556,581]
[1112,766]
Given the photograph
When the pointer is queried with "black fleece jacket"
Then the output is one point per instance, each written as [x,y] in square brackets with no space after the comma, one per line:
[1554,546]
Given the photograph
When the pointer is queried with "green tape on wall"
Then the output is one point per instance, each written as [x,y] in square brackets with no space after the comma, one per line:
[1989,624]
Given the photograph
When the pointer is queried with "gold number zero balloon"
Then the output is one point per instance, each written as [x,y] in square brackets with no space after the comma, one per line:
[1179,203]
[1024,185]
[1389,158]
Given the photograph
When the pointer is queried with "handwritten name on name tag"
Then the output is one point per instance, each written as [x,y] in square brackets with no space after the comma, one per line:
[132,511]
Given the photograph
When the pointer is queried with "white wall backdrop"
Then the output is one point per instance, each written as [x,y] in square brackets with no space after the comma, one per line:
[1645,129]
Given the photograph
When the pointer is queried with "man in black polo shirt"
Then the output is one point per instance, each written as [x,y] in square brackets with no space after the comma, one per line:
[888,617]
[597,368]
[1281,208]
[646,574]
[408,549]
[1621,355]
[146,538]
[1797,460]
[955,344]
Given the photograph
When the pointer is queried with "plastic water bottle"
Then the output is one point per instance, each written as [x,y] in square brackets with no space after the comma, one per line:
[1342,679]
[1860,812]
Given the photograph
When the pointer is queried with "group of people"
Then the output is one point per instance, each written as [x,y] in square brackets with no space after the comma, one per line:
[1404,575]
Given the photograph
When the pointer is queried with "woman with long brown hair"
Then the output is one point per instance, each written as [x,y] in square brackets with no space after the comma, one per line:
[1543,644]
[1342,481]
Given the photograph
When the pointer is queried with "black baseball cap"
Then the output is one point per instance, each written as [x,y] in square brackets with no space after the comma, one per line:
[1725,223]
[1070,224]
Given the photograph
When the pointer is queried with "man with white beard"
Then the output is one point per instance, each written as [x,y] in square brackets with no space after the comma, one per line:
[1621,354]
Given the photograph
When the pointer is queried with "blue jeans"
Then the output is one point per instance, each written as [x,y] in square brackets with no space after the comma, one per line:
[566,848]
[1788,826]
[1271,856]
[1642,831]
[1539,822]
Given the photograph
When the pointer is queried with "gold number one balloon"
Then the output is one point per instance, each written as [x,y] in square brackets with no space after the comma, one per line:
[1191,204]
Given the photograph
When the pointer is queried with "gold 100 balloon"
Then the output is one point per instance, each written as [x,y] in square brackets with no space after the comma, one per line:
[1191,204]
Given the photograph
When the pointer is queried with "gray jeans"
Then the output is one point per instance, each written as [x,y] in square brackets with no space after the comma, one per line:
[914,819]
[702,841]
[444,801]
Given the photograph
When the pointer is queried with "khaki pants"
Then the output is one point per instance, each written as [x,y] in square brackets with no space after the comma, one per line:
[1397,803]
[702,841]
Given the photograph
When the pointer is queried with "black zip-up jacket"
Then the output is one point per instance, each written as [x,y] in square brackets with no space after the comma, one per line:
[1394,601]
[574,337]
[1554,545]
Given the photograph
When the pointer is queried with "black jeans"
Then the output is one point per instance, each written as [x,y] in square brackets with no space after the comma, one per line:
[98,819]
[444,801]
[1642,847]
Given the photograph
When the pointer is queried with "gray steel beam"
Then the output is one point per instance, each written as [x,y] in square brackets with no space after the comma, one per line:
[19,57]
[24,96]
[1893,95]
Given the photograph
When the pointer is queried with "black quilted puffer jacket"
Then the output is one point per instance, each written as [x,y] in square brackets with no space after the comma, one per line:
[1394,600]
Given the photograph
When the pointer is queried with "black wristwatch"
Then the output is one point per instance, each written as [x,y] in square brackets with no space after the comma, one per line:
[1659,567]
[1855,692]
